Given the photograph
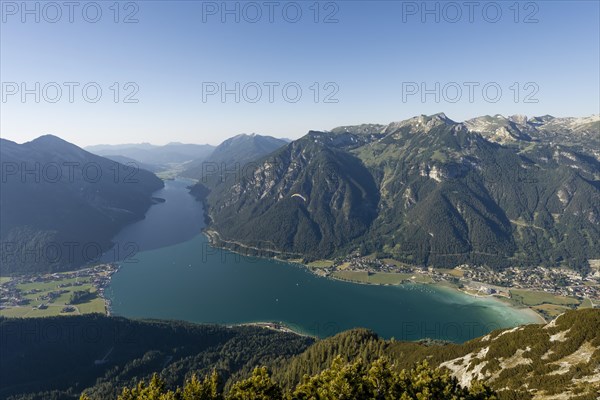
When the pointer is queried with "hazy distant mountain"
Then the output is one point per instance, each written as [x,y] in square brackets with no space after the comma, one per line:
[155,155]
[60,205]
[134,163]
[240,149]
[427,191]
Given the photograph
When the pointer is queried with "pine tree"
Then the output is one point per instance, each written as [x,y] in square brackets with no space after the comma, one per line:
[155,390]
[258,387]
[208,389]
[358,380]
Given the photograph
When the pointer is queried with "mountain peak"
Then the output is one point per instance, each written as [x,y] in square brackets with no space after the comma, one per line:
[421,123]
[49,138]
[434,119]
[440,116]
[50,143]
[242,136]
[519,119]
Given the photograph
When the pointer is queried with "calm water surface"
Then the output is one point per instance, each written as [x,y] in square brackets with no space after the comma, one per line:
[177,275]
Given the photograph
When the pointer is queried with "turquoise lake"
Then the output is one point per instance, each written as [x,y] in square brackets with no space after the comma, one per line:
[176,274]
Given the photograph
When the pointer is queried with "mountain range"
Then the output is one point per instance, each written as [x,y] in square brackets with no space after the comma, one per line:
[60,205]
[427,191]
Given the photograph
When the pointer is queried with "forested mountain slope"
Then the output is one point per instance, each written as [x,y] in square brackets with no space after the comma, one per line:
[532,361]
[59,357]
[559,360]
[426,191]
[61,205]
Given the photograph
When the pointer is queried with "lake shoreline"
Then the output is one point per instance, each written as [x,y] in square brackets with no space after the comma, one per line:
[275,326]
[447,285]
[214,240]
[499,316]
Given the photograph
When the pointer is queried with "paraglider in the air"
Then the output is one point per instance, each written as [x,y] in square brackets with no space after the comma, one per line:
[299,196]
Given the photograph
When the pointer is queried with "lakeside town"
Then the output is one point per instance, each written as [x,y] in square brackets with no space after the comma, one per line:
[77,291]
[483,281]
[544,286]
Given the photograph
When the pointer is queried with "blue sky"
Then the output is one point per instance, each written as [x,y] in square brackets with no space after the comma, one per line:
[368,61]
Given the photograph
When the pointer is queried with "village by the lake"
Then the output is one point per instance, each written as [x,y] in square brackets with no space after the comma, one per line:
[61,293]
[549,292]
